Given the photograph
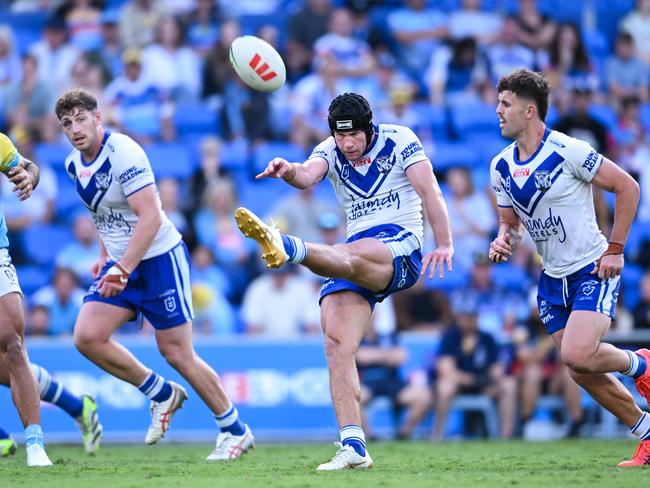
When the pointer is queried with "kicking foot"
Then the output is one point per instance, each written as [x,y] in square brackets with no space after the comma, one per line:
[643,381]
[88,423]
[346,458]
[162,413]
[268,237]
[641,456]
[231,446]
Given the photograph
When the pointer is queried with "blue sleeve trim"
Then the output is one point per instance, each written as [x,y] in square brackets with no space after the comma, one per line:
[136,191]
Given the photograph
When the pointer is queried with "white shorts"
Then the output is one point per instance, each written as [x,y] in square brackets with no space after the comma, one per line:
[8,276]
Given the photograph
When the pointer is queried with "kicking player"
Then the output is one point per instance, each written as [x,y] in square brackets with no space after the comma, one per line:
[143,267]
[382,178]
[82,409]
[543,184]
[24,174]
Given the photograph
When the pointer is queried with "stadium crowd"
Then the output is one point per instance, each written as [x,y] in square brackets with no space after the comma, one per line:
[161,71]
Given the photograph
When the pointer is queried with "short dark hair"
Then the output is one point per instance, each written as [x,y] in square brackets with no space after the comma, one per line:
[72,99]
[528,84]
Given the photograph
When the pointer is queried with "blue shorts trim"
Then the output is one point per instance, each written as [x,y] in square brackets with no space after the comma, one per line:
[407,263]
[159,288]
[558,297]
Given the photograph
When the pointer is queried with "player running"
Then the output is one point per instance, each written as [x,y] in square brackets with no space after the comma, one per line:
[143,267]
[82,409]
[382,178]
[24,175]
[543,183]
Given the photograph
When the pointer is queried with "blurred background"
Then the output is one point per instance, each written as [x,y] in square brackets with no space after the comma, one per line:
[160,70]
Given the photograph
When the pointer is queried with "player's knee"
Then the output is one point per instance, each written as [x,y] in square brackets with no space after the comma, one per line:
[337,347]
[13,348]
[577,359]
[176,356]
[84,340]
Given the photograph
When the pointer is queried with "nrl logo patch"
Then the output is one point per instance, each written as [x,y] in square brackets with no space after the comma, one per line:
[542,180]
[385,163]
[170,304]
[103,180]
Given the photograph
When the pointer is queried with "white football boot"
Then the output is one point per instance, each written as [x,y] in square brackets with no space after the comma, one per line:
[231,446]
[162,413]
[346,458]
[36,456]
[267,236]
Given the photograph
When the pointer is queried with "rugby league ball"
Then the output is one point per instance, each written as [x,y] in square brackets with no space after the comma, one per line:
[257,63]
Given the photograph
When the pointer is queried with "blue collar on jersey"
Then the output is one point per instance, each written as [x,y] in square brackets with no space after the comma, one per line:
[547,131]
[375,129]
[107,134]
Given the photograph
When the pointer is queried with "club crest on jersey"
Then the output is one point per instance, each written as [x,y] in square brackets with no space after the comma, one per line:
[542,180]
[345,172]
[385,163]
[170,304]
[103,181]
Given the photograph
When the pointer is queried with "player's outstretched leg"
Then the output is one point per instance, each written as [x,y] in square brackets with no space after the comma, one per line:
[82,409]
[163,406]
[641,456]
[7,444]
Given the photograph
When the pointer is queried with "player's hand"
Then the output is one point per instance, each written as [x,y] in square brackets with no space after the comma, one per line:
[441,255]
[500,249]
[97,267]
[277,168]
[114,281]
[22,180]
[609,266]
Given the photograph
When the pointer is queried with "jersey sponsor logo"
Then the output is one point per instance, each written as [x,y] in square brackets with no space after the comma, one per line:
[590,161]
[343,124]
[10,274]
[542,229]
[542,180]
[86,173]
[361,208]
[131,173]
[519,172]
[411,149]
[361,162]
[111,222]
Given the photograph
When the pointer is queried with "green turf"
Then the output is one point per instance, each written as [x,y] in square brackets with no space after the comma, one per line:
[404,465]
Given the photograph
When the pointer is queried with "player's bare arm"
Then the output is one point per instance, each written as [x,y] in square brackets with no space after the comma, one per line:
[25,178]
[511,231]
[298,175]
[425,184]
[145,205]
[612,178]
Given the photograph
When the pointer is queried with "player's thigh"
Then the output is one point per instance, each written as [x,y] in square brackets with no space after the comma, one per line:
[345,315]
[97,321]
[584,331]
[372,262]
[12,318]
[177,339]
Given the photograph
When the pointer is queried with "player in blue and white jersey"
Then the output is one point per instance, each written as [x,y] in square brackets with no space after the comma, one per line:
[543,184]
[23,174]
[382,179]
[144,268]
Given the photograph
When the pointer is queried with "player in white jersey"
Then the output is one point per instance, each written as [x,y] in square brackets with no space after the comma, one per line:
[143,268]
[543,185]
[382,179]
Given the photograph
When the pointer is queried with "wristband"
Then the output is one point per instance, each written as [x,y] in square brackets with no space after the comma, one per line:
[614,248]
[118,273]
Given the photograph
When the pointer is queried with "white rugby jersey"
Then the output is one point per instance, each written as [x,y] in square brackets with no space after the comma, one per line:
[551,193]
[120,169]
[374,190]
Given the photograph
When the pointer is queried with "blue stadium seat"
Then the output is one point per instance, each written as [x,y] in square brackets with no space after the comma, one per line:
[604,114]
[265,152]
[52,154]
[451,281]
[67,202]
[234,155]
[170,160]
[195,118]
[645,116]
[449,154]
[261,196]
[631,285]
[433,118]
[32,278]
[510,276]
[42,242]
[639,232]
[472,118]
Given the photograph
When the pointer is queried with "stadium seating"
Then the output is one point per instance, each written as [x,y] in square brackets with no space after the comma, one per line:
[482,404]
[195,118]
[265,152]
[170,160]
[32,278]
[450,154]
[42,242]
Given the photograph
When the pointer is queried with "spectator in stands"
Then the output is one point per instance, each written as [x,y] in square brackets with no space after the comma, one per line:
[172,66]
[28,102]
[83,21]
[307,25]
[536,31]
[80,255]
[422,309]
[280,303]
[135,106]
[471,21]
[9,61]
[89,73]
[627,74]
[507,54]
[55,55]
[349,57]
[400,111]
[419,30]
[169,190]
[379,359]
[216,68]
[579,123]
[637,23]
[630,136]
[642,310]
[37,323]
[202,26]
[138,21]
[468,362]
[472,215]
[109,51]
[541,371]
[457,73]
[331,230]
[209,171]
[63,298]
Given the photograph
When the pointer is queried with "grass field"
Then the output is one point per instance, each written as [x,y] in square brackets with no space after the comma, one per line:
[407,465]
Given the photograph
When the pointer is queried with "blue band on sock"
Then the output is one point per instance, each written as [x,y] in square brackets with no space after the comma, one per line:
[34,435]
